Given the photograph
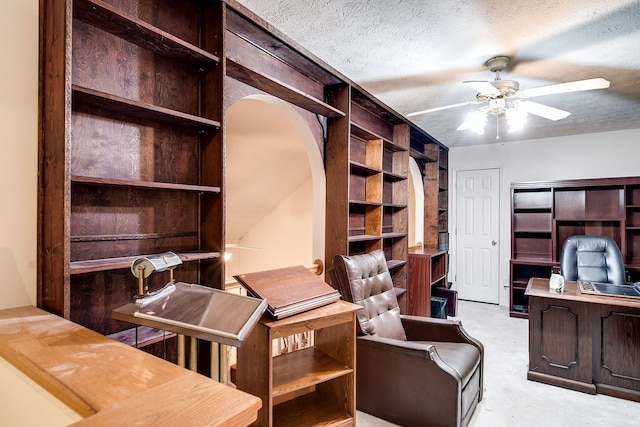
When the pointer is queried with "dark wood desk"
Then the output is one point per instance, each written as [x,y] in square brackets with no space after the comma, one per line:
[589,343]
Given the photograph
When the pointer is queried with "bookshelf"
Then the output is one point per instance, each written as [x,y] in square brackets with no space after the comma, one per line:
[545,214]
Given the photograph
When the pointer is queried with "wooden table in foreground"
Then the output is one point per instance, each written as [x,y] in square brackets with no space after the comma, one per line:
[589,343]
[111,384]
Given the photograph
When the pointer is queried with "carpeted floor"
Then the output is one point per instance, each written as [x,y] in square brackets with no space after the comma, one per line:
[509,398]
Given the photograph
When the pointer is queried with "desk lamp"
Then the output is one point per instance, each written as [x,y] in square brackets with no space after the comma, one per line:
[143,267]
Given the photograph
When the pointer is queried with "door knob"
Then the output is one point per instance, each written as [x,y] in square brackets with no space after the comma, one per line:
[494,242]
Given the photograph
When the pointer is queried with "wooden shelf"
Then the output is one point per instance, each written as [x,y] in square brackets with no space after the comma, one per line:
[394,206]
[303,368]
[364,203]
[362,169]
[280,89]
[363,238]
[140,110]
[421,156]
[388,145]
[393,235]
[144,184]
[363,133]
[395,263]
[123,237]
[106,17]
[367,134]
[393,177]
[310,410]
[92,266]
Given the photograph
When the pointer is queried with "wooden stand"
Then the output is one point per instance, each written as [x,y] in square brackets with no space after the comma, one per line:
[314,386]
[427,268]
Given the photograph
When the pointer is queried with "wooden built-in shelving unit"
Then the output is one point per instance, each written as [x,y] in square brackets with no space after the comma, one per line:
[129,122]
[546,214]
[132,146]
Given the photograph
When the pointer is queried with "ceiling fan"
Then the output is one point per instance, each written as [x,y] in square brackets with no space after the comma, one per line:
[505,97]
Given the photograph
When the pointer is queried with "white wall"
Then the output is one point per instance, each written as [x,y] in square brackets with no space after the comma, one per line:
[19,142]
[598,155]
[282,238]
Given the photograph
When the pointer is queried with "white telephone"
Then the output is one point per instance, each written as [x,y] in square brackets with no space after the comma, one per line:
[556,283]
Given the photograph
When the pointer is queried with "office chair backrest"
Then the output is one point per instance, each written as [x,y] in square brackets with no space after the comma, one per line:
[592,258]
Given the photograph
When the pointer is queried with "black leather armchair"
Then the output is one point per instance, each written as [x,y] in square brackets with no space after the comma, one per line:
[592,258]
[411,371]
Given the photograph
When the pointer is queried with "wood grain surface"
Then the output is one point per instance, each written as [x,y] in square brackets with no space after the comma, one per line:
[109,383]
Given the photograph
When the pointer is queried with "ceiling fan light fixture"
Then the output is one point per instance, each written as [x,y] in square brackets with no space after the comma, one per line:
[504,97]
[516,118]
[477,121]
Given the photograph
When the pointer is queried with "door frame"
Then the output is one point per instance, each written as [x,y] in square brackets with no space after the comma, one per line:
[504,243]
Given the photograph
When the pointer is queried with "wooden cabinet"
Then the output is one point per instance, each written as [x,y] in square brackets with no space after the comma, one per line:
[313,386]
[427,269]
[131,150]
[545,214]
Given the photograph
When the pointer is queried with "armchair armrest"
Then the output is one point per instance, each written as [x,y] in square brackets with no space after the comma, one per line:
[429,329]
[405,355]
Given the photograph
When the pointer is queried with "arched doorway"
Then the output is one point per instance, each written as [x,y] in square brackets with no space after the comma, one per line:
[275,187]
[416,204]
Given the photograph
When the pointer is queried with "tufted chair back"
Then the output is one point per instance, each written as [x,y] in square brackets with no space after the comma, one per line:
[370,285]
[592,258]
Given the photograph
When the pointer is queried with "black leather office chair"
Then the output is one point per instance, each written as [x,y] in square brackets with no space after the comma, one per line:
[593,259]
[411,371]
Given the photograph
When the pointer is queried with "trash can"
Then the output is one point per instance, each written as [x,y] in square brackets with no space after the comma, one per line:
[439,307]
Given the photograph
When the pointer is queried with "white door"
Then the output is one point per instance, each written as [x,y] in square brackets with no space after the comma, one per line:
[477,232]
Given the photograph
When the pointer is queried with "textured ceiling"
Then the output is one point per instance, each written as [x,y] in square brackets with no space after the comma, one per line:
[414,54]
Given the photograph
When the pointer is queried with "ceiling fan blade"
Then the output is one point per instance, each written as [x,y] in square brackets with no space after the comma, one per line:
[483,87]
[589,84]
[446,107]
[543,110]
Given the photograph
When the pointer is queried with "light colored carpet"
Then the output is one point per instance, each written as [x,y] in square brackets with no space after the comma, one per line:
[509,398]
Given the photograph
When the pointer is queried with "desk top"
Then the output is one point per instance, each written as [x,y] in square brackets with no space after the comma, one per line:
[109,383]
[539,287]
[426,252]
